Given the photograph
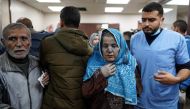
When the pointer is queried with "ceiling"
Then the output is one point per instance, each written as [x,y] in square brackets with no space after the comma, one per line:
[97,6]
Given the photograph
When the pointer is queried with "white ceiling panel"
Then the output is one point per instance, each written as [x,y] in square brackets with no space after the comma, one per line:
[97,6]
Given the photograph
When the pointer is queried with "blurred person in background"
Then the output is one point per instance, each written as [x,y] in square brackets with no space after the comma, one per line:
[127,35]
[94,39]
[2,48]
[181,26]
[35,35]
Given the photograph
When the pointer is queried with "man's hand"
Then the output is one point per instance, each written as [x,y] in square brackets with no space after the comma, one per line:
[166,78]
[45,79]
[108,69]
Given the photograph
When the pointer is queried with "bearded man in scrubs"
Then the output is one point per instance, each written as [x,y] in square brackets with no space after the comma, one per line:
[158,51]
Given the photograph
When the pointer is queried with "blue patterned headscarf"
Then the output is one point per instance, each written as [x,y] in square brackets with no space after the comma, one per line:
[123,82]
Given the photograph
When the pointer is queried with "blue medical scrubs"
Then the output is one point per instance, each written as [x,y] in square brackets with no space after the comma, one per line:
[185,84]
[167,50]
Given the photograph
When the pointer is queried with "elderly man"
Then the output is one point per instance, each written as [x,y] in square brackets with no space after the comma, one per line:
[19,72]
[36,36]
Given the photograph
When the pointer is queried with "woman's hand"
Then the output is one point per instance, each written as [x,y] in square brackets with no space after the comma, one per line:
[108,69]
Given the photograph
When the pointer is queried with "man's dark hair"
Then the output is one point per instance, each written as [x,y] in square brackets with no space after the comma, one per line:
[153,6]
[128,33]
[25,21]
[181,24]
[70,15]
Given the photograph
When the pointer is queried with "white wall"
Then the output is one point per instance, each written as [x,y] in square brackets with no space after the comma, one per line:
[126,22]
[41,20]
[5,13]
[19,9]
[1,17]
[51,19]
[170,17]
[183,16]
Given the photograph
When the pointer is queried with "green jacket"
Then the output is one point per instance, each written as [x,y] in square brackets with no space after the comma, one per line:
[64,55]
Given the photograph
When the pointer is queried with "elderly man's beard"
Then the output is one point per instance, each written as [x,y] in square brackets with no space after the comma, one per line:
[16,56]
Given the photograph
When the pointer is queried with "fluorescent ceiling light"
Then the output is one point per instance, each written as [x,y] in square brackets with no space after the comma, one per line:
[55,8]
[166,10]
[113,9]
[140,11]
[178,2]
[117,1]
[49,1]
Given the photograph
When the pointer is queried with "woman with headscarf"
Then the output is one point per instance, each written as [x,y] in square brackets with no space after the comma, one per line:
[109,82]
[94,39]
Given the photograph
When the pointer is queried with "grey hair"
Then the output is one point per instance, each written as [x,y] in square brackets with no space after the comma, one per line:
[7,30]
[92,37]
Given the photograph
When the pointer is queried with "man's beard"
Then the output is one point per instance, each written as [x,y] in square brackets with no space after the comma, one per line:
[149,33]
[16,56]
